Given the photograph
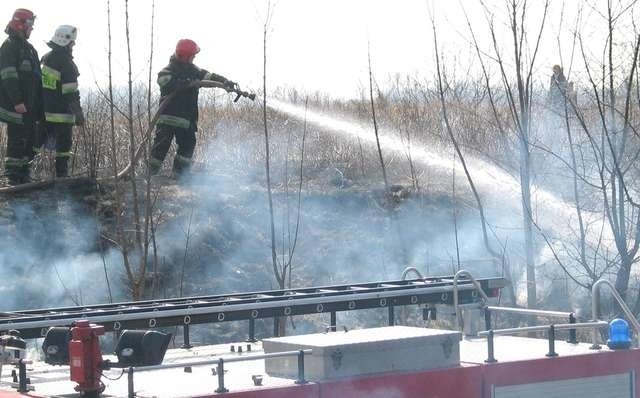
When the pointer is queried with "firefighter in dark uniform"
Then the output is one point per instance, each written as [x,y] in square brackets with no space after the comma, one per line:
[180,117]
[20,95]
[61,97]
[558,90]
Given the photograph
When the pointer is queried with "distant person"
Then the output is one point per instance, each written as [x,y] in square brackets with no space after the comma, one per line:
[62,107]
[558,90]
[20,95]
[180,117]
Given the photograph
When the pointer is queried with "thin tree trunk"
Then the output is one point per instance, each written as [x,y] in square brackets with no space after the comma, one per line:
[120,236]
[456,146]
[375,123]
[132,144]
[274,256]
[455,211]
[148,207]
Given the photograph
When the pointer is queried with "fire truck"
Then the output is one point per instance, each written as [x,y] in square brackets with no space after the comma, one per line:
[58,352]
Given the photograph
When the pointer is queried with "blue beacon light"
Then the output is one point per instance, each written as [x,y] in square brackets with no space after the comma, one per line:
[619,336]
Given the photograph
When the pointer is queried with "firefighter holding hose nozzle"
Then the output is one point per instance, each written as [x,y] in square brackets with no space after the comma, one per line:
[179,85]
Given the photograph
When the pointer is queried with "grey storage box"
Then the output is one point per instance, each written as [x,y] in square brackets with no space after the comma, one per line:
[365,351]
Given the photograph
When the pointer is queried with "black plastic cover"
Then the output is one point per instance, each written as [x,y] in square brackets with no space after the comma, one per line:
[142,347]
[56,346]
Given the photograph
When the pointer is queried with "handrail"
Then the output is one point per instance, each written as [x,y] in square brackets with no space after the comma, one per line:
[551,336]
[411,269]
[595,308]
[541,328]
[220,371]
[215,361]
[477,286]
[527,311]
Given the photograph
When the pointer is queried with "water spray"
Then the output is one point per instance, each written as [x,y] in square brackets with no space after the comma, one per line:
[493,179]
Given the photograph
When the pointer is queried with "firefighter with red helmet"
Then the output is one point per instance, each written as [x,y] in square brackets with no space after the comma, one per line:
[62,107]
[20,95]
[180,117]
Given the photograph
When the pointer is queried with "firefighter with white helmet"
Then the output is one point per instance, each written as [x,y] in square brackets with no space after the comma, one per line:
[20,95]
[180,117]
[62,108]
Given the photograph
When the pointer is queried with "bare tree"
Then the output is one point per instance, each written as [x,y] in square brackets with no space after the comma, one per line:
[456,146]
[280,278]
[375,121]
[519,100]
[613,147]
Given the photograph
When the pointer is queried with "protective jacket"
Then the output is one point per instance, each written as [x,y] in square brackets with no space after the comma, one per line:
[60,85]
[182,111]
[557,91]
[19,80]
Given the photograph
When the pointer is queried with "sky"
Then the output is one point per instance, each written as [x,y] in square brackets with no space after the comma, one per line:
[312,45]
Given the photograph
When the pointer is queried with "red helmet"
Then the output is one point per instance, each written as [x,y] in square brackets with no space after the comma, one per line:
[186,49]
[22,20]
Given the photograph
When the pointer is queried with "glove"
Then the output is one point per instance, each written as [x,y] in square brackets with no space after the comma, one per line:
[231,85]
[76,109]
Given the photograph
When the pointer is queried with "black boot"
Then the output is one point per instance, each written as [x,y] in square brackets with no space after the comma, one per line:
[154,166]
[62,169]
[25,174]
[15,170]
[181,166]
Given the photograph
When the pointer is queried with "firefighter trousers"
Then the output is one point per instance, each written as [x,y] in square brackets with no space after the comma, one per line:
[62,135]
[20,142]
[186,141]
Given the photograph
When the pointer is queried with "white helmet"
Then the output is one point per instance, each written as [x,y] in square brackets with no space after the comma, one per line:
[64,35]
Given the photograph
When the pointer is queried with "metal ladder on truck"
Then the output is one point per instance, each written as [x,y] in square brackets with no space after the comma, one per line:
[188,311]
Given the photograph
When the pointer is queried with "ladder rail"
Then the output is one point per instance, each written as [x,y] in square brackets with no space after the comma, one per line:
[432,281]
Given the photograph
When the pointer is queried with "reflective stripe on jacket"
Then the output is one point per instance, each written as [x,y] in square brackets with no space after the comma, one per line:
[59,85]
[19,80]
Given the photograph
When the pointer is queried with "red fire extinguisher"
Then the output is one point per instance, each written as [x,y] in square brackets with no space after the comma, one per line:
[85,357]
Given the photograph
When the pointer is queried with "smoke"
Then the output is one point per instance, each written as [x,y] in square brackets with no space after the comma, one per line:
[213,232]
[47,252]
[213,229]
[499,190]
[345,233]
